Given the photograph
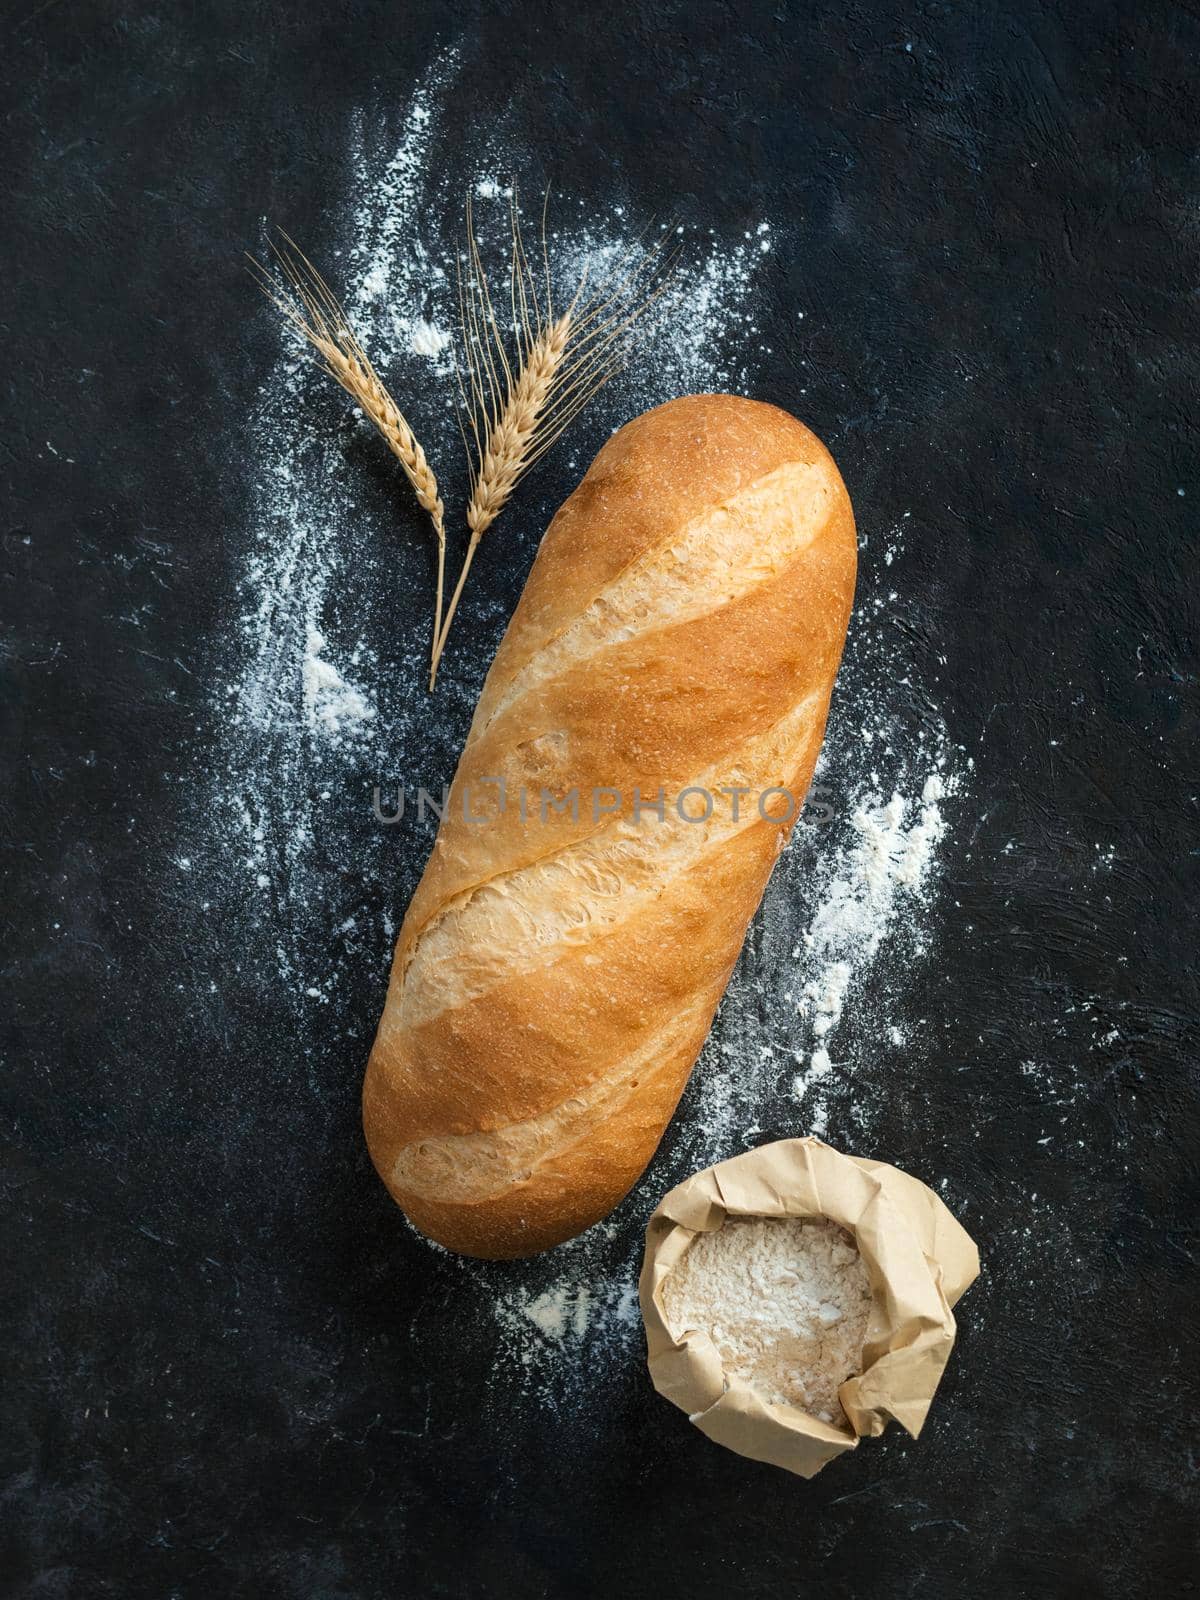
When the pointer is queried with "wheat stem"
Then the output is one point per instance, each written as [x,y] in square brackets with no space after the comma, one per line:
[516,408]
[507,450]
[440,642]
[306,301]
[566,362]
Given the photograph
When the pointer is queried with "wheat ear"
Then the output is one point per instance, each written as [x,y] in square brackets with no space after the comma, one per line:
[304,298]
[517,407]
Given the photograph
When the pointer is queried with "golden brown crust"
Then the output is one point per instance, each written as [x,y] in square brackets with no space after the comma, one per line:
[508,1119]
[651,476]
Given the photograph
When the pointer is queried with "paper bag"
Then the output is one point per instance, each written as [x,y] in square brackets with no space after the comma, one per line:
[919,1260]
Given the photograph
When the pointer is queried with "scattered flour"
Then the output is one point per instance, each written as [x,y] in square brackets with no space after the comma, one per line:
[333,706]
[811,1023]
[426,339]
[785,1300]
[887,866]
[570,1314]
[553,1311]
[319,694]
[566,1307]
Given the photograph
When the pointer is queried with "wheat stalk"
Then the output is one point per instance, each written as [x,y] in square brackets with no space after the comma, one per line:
[305,300]
[507,451]
[517,407]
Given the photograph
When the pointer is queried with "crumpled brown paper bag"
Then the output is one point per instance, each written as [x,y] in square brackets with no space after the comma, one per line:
[920,1262]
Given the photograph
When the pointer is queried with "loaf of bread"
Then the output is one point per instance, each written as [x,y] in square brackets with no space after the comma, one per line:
[590,886]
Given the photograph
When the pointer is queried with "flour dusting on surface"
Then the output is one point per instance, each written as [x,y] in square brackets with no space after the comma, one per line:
[883,871]
[320,693]
[333,707]
[427,339]
[820,1003]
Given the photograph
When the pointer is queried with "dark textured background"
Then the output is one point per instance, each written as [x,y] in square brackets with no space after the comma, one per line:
[228,1371]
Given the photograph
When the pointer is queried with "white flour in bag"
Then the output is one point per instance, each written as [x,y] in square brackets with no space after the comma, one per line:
[785,1300]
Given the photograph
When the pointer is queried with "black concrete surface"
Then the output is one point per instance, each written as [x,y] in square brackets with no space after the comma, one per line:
[228,1369]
